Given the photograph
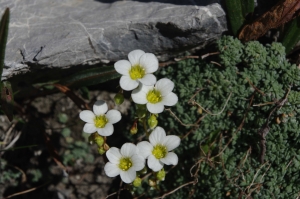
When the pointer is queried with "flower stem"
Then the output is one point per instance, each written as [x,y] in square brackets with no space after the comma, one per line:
[145,126]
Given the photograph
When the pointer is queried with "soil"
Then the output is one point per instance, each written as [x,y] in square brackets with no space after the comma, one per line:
[27,164]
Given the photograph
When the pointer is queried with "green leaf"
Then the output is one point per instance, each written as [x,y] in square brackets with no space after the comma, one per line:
[247,6]
[3,37]
[235,15]
[205,148]
[91,76]
[66,132]
[85,93]
[62,118]
[7,100]
[291,35]
[237,10]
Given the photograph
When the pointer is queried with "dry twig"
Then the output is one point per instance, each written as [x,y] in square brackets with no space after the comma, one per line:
[264,130]
[173,114]
[26,191]
[210,113]
[114,193]
[209,54]
[174,190]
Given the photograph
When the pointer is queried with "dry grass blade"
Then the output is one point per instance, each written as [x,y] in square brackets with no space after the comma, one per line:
[26,191]
[166,194]
[24,177]
[54,153]
[283,12]
[79,102]
[8,136]
[7,100]
[163,64]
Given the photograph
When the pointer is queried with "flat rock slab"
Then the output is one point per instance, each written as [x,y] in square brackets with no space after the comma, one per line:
[60,34]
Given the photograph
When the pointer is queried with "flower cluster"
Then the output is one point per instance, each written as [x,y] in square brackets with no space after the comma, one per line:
[131,158]
[137,76]
[149,94]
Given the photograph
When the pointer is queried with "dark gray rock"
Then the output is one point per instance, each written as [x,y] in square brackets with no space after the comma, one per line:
[48,35]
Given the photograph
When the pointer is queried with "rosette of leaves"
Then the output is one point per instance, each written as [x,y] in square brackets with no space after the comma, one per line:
[77,150]
[8,176]
[230,50]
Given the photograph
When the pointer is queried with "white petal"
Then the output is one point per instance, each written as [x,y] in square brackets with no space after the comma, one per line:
[145,148]
[100,107]
[165,86]
[128,176]
[113,155]
[154,163]
[139,95]
[139,98]
[157,136]
[87,116]
[149,62]
[128,84]
[128,149]
[148,80]
[143,88]
[111,170]
[113,116]
[123,67]
[107,130]
[134,56]
[138,162]
[170,100]
[171,142]
[89,128]
[155,108]
[171,158]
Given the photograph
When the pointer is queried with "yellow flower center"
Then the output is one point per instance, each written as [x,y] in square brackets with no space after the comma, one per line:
[136,72]
[154,96]
[159,151]
[125,164]
[100,121]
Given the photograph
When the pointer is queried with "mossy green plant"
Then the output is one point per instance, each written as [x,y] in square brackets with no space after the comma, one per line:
[221,110]
[9,175]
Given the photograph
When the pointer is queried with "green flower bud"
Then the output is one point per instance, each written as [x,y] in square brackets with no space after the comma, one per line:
[161,175]
[119,98]
[137,182]
[101,150]
[152,121]
[96,138]
[99,140]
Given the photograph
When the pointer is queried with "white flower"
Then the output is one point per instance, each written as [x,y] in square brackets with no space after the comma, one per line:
[124,162]
[156,97]
[157,151]
[137,69]
[97,120]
